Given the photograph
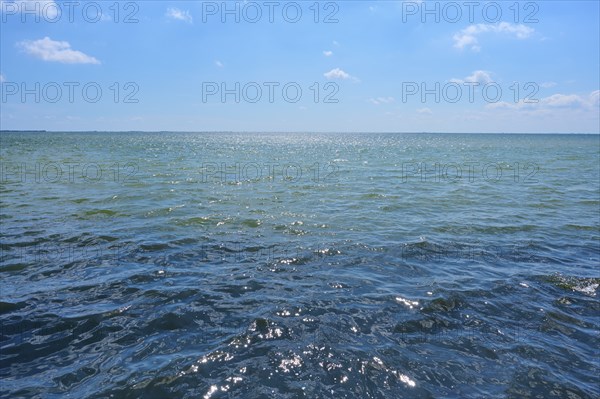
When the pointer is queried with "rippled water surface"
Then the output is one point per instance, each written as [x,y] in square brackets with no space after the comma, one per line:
[172,265]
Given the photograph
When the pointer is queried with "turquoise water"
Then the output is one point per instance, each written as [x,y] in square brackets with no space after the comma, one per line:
[299,265]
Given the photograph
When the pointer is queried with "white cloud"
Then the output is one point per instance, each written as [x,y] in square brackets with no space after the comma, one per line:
[219,64]
[469,35]
[506,105]
[179,15]
[553,102]
[337,73]
[327,53]
[381,100]
[563,100]
[47,9]
[481,77]
[2,78]
[547,85]
[335,43]
[56,51]
[425,111]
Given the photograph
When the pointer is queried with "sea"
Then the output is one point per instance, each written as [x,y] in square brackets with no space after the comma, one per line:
[299,265]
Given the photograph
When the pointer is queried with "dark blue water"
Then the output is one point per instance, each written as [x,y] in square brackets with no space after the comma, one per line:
[180,265]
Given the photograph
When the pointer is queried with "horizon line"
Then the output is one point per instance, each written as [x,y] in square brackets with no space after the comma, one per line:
[273,132]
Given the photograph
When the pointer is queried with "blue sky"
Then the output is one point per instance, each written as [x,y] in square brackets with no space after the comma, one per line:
[380,66]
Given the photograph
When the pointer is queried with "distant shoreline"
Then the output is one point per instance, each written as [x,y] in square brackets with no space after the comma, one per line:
[24,131]
[275,132]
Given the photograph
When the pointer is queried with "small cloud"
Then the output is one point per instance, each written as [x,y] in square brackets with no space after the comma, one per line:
[571,100]
[219,64]
[547,85]
[469,35]
[337,73]
[55,51]
[481,77]
[425,111]
[179,15]
[553,102]
[506,105]
[2,78]
[335,43]
[563,100]
[327,53]
[381,100]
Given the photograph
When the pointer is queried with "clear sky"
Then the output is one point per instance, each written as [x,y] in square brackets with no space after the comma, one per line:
[375,66]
